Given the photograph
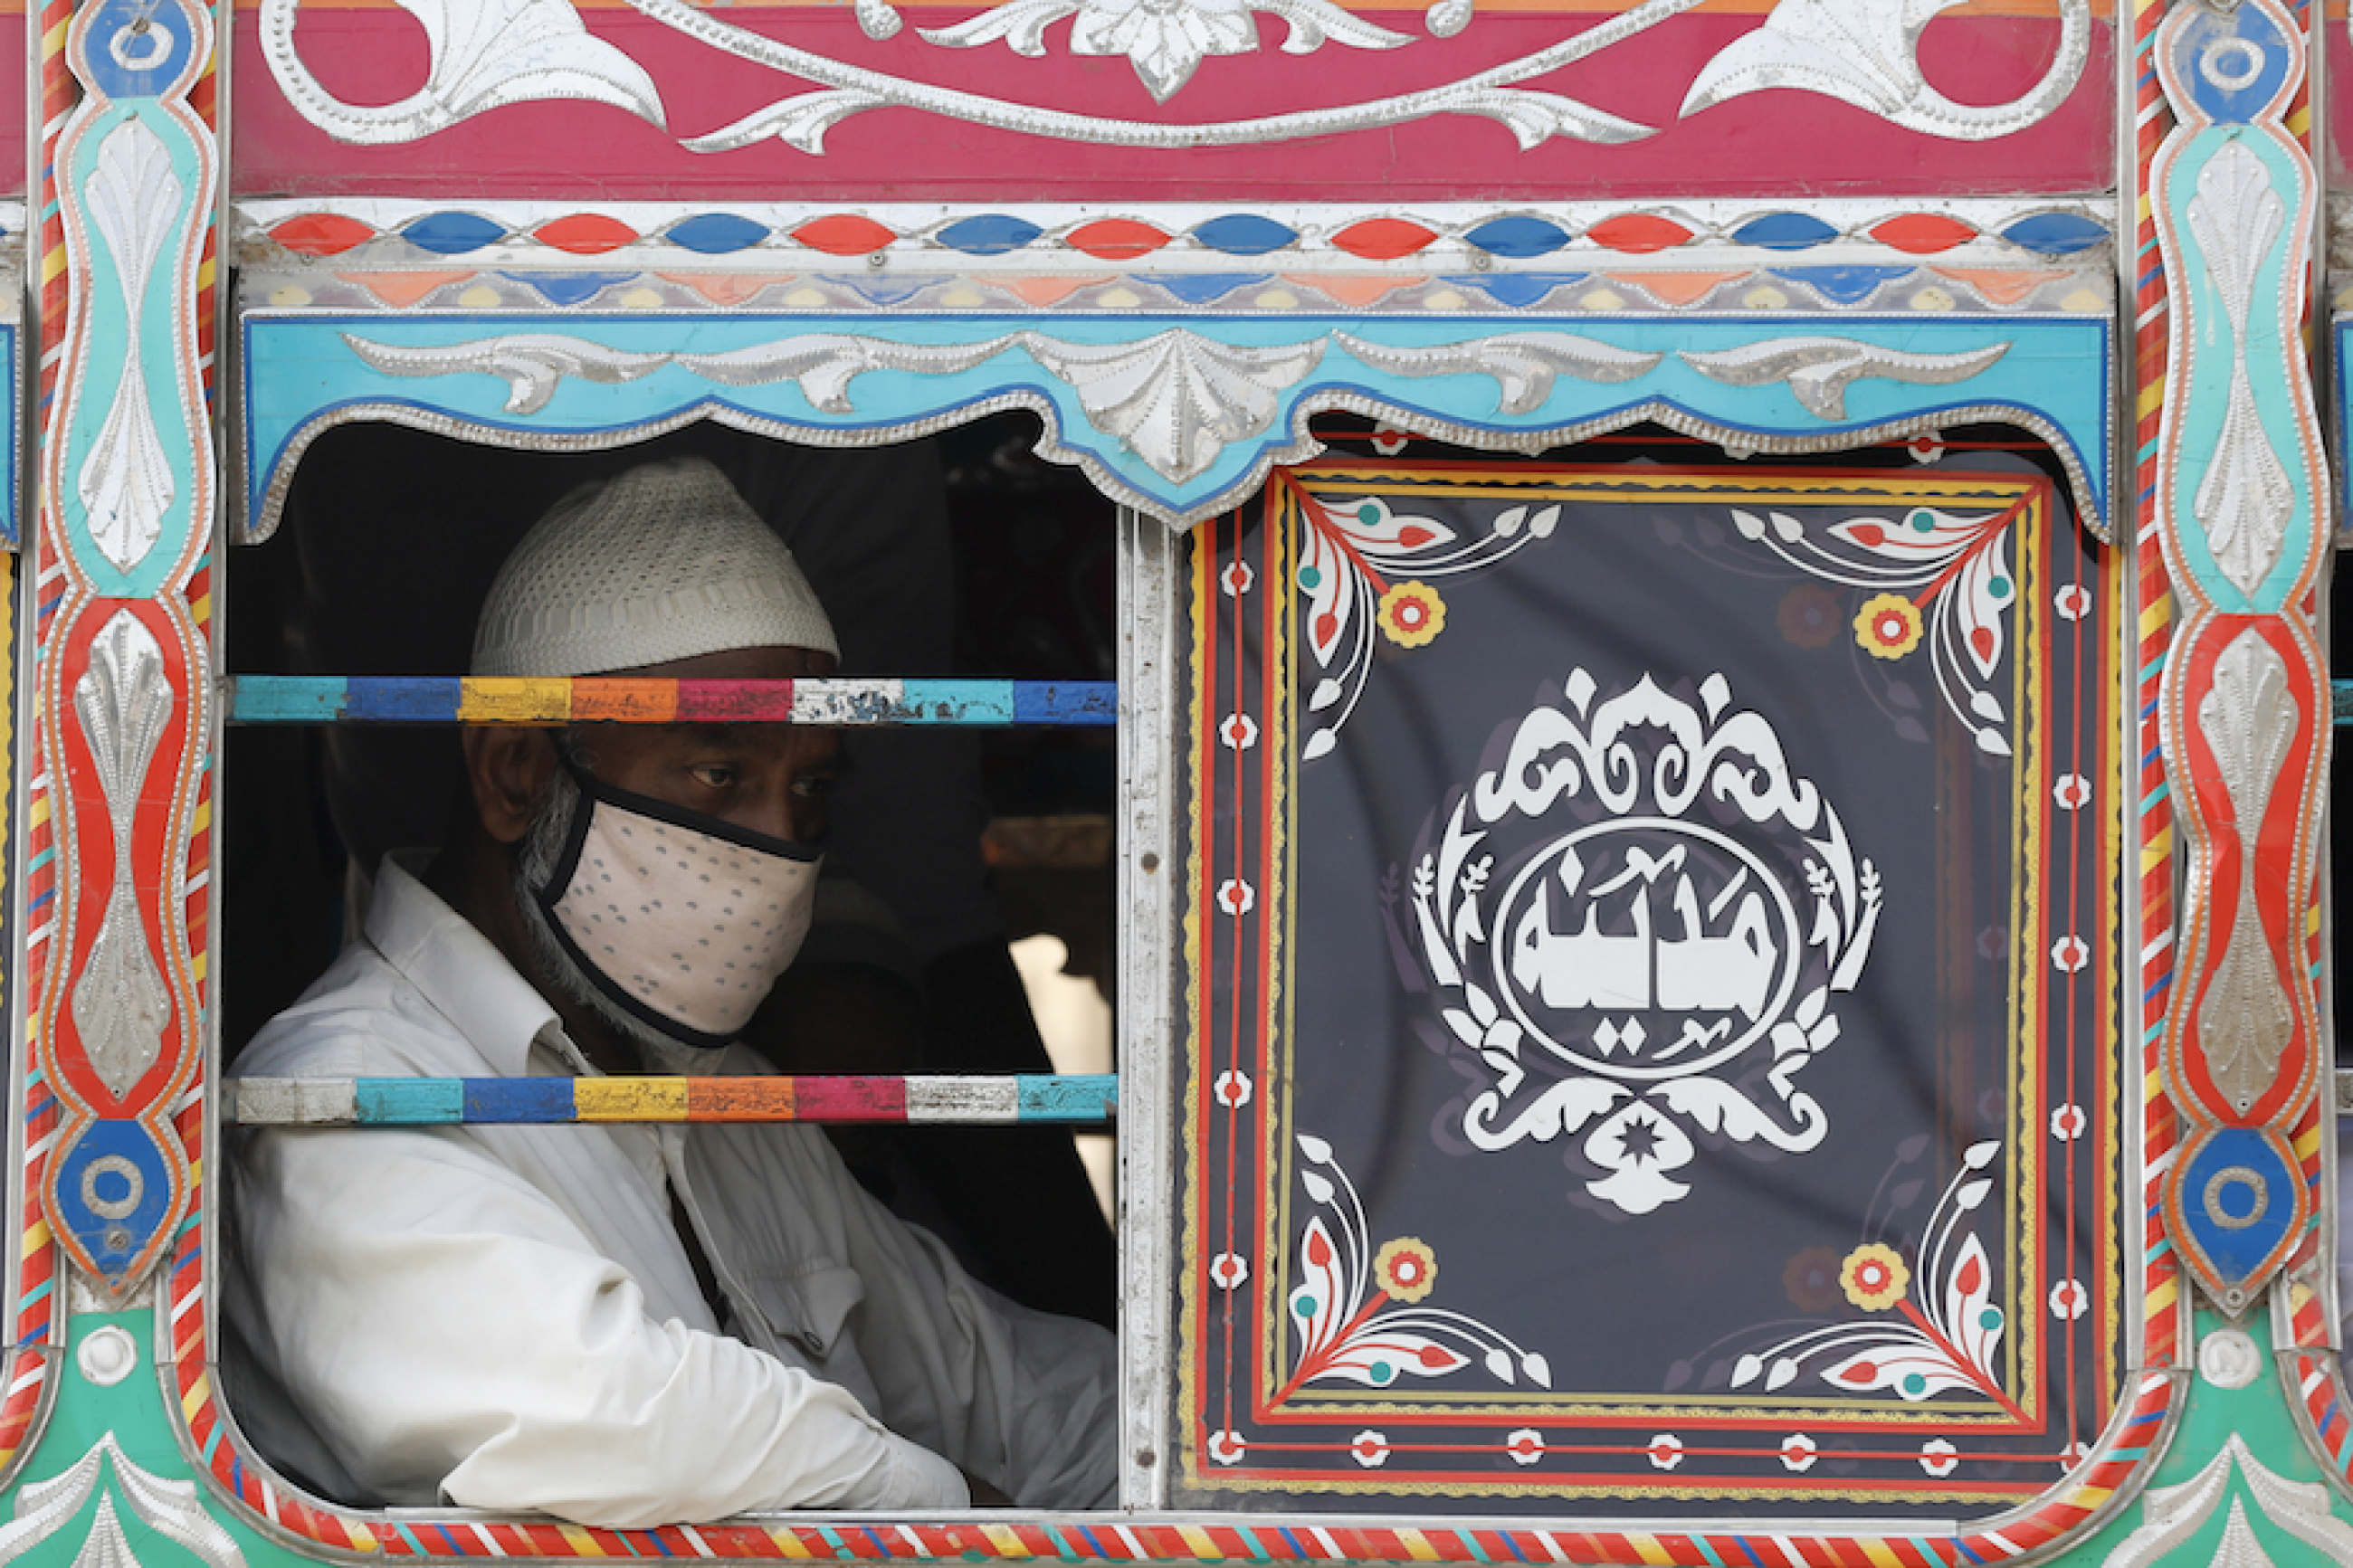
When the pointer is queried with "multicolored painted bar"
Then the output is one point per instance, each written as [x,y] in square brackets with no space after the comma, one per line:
[607,699]
[1060,1099]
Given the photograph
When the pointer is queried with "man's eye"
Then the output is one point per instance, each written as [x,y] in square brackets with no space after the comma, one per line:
[712,775]
[813,787]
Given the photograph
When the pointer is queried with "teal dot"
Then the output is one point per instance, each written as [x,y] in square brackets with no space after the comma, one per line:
[1990,1319]
[1925,522]
[1997,586]
[1369,515]
[1309,576]
[1381,1371]
[1303,1305]
[1914,1383]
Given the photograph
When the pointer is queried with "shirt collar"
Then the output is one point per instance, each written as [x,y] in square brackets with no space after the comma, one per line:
[466,980]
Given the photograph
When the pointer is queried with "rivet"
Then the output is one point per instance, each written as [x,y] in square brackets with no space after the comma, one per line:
[1150,861]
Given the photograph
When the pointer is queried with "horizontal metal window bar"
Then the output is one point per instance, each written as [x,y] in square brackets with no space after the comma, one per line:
[613,699]
[1026,1099]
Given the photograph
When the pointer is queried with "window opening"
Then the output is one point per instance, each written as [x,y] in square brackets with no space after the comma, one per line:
[391,538]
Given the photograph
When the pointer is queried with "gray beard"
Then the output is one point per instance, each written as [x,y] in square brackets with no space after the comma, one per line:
[536,859]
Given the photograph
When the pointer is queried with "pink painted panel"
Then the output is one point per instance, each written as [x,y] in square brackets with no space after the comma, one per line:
[2336,44]
[11,100]
[1776,141]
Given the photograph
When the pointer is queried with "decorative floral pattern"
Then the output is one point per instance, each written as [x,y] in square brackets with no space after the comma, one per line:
[1942,1339]
[1862,55]
[1406,1268]
[1874,1276]
[1412,615]
[1370,1450]
[1347,1306]
[1888,625]
[1956,562]
[1348,552]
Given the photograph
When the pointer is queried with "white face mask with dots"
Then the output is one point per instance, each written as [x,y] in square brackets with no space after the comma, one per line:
[681,920]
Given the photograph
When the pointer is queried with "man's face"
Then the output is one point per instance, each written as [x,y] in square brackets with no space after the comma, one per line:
[769,778]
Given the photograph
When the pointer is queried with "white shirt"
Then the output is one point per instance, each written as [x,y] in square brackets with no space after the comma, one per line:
[503,1317]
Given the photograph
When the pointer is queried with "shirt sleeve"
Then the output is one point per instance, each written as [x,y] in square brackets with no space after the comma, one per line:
[1026,1400]
[446,1327]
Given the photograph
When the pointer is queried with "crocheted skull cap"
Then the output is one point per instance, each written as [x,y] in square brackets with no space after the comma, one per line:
[660,563]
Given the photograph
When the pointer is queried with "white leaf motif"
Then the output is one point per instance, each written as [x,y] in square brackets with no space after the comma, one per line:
[1165,40]
[1523,365]
[485,54]
[1868,55]
[1177,399]
[1820,370]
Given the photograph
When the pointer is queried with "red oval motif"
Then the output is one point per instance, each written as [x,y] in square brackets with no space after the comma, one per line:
[322,234]
[1116,239]
[585,234]
[1868,534]
[1638,234]
[1383,239]
[1319,1249]
[844,234]
[1922,234]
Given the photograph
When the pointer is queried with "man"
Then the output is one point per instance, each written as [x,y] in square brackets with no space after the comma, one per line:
[621,1325]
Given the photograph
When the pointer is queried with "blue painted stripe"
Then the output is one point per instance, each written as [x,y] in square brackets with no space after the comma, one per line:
[1073,702]
[518,1099]
[390,700]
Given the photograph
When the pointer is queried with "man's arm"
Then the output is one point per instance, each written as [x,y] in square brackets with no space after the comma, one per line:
[448,1327]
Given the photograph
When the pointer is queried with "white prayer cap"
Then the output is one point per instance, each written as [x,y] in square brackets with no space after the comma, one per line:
[660,563]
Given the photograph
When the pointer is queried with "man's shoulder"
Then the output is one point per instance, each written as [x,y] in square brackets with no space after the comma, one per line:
[361,1018]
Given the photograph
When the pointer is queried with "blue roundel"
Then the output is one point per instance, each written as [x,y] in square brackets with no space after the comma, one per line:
[2232,63]
[138,48]
[2238,1199]
[114,1190]
[989,234]
[1518,237]
[716,234]
[1244,234]
[1785,231]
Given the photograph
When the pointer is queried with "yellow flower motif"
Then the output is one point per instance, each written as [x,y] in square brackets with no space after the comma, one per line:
[1888,625]
[1406,1268]
[1874,1276]
[1411,614]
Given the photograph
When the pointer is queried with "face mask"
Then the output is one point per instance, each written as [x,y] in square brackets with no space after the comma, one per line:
[682,921]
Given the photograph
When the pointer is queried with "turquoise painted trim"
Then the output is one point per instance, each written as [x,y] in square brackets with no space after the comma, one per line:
[2204,390]
[108,360]
[298,369]
[409,1102]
